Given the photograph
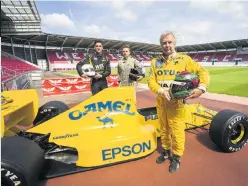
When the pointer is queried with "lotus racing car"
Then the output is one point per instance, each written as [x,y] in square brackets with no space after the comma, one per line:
[104,130]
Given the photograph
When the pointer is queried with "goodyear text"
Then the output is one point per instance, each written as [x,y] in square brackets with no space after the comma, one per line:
[65,136]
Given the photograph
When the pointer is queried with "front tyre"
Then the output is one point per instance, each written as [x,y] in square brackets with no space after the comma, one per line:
[22,161]
[229,130]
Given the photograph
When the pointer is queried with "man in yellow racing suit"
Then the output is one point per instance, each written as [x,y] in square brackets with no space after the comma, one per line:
[171,113]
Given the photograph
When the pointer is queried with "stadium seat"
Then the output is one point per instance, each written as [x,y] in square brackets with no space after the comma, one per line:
[12,67]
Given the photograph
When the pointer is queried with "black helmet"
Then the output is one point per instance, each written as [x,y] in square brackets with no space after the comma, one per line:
[134,73]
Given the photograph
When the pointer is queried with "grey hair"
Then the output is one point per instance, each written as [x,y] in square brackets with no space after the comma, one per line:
[164,34]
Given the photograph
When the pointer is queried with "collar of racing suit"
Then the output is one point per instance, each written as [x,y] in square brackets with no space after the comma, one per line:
[126,58]
[166,58]
[98,54]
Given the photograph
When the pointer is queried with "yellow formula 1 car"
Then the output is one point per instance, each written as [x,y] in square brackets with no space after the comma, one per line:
[104,130]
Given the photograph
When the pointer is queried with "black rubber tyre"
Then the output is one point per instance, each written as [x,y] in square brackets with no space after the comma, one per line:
[229,130]
[22,161]
[49,110]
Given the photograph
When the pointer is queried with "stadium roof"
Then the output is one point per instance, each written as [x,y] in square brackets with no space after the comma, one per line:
[19,17]
[63,41]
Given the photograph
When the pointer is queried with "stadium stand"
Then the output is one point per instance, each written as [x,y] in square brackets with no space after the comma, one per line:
[23,39]
[67,60]
[16,65]
[219,57]
[18,18]
[13,67]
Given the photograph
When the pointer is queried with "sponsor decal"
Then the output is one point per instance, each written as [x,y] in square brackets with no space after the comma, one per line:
[55,81]
[80,87]
[151,117]
[72,81]
[236,119]
[11,176]
[110,84]
[127,150]
[167,72]
[233,149]
[230,126]
[110,106]
[99,66]
[165,83]
[66,136]
[65,88]
[105,120]
[175,62]
[48,89]
[113,77]
[159,64]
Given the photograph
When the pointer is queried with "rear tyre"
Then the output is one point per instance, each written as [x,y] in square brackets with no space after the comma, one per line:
[49,110]
[229,130]
[22,162]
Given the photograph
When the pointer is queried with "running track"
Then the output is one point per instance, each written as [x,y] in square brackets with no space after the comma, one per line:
[202,164]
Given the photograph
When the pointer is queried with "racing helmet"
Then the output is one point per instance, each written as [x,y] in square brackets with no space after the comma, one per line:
[134,73]
[88,70]
[183,84]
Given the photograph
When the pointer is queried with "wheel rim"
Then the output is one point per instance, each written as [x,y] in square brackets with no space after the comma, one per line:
[238,133]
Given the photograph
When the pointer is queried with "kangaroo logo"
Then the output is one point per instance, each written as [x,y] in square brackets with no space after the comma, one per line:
[105,121]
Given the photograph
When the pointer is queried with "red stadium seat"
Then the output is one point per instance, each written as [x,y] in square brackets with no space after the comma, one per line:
[12,67]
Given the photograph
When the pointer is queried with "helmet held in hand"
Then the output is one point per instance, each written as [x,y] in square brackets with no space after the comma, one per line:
[88,70]
[135,73]
[183,85]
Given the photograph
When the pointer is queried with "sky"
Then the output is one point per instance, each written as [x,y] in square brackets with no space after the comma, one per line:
[194,22]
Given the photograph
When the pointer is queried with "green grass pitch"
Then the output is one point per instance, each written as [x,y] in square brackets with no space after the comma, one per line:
[223,80]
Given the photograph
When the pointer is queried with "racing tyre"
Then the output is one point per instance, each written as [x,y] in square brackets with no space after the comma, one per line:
[229,130]
[49,110]
[22,161]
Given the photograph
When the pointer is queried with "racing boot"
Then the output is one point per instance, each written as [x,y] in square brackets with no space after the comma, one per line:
[174,164]
[166,154]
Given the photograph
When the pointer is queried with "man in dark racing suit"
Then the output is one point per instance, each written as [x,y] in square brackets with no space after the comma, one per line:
[101,65]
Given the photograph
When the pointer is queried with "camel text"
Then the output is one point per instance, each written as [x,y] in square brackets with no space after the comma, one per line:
[117,106]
